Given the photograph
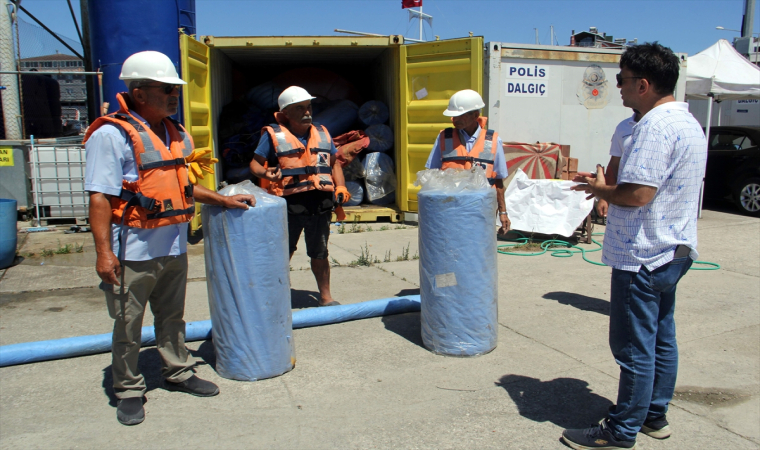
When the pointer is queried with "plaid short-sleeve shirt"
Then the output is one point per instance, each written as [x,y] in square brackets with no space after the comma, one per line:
[668,151]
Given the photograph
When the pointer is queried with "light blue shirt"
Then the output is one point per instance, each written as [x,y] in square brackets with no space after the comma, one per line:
[111,159]
[499,163]
[668,151]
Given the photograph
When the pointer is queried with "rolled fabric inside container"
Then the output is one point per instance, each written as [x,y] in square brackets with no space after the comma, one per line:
[458,270]
[380,138]
[248,279]
[338,118]
[356,190]
[373,112]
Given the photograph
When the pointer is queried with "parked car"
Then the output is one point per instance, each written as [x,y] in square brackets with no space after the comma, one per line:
[733,166]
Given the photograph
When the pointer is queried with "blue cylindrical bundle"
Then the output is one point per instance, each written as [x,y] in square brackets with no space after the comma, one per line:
[457,240]
[338,118]
[8,232]
[356,190]
[373,112]
[247,274]
[380,138]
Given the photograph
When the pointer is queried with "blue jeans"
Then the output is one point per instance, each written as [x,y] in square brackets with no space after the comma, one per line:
[643,342]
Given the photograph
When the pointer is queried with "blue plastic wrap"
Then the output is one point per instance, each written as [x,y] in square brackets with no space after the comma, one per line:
[373,112]
[248,279]
[338,118]
[380,138]
[356,190]
[28,352]
[458,282]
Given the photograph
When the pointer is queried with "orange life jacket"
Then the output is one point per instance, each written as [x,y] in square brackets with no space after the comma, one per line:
[454,153]
[162,194]
[302,169]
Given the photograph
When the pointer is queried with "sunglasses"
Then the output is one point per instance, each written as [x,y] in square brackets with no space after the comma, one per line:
[620,78]
[168,88]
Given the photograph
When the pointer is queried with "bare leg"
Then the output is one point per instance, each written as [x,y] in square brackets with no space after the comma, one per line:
[321,270]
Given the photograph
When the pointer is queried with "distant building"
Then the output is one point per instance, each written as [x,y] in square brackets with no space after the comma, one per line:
[749,47]
[73,87]
[593,38]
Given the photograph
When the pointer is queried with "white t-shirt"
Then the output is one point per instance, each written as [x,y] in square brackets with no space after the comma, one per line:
[622,137]
[668,151]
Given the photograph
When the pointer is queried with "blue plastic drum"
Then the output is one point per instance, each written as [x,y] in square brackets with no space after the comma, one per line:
[7,232]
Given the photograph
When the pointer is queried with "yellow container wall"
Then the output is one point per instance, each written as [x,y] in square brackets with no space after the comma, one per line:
[196,98]
[430,73]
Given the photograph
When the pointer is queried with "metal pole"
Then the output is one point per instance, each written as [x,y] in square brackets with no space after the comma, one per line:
[420,21]
[748,20]
[361,33]
[707,136]
[10,95]
[100,89]
[536,36]
[36,175]
[551,34]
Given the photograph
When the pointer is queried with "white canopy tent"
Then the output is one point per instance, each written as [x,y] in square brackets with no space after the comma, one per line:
[720,73]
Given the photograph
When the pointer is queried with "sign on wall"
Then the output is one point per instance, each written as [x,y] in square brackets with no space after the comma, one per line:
[6,156]
[526,80]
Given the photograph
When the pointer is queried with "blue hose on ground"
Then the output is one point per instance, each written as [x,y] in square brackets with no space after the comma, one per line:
[28,352]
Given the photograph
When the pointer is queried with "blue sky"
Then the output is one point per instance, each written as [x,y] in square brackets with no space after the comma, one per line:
[684,25]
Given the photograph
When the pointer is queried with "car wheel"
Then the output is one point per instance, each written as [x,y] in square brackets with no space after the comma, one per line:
[747,196]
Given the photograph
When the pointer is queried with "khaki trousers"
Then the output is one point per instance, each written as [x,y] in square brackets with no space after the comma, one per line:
[162,283]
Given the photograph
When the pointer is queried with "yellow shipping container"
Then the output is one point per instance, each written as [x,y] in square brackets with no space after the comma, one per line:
[414,80]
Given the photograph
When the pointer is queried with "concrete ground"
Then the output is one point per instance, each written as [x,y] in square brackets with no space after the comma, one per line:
[371,383]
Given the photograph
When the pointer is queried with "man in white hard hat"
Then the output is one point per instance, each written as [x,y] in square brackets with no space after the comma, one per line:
[141,200]
[470,144]
[297,160]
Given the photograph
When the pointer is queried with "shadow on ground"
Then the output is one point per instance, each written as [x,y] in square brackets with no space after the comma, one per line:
[582,302]
[405,325]
[300,299]
[149,364]
[565,402]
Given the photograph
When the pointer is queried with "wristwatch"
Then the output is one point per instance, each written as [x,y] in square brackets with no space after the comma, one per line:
[502,213]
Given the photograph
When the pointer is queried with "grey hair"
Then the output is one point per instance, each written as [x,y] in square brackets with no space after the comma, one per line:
[134,84]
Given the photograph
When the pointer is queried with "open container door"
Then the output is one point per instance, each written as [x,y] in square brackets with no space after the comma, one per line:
[430,73]
[196,100]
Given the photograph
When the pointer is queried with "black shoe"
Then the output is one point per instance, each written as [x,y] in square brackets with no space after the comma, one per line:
[598,438]
[193,385]
[657,428]
[130,411]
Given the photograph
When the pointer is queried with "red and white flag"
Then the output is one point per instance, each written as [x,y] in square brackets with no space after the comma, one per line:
[410,4]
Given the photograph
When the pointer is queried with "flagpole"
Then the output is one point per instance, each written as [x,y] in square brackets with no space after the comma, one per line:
[420,21]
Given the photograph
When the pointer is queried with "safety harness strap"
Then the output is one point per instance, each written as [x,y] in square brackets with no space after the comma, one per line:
[135,199]
[172,213]
[308,170]
[163,163]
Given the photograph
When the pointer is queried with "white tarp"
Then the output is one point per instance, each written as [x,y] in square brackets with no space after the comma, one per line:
[545,206]
[721,71]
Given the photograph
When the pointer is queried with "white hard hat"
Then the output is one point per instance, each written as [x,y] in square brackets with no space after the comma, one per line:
[464,102]
[149,66]
[293,94]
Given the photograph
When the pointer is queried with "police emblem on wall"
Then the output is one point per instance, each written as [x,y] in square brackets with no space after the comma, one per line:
[592,93]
